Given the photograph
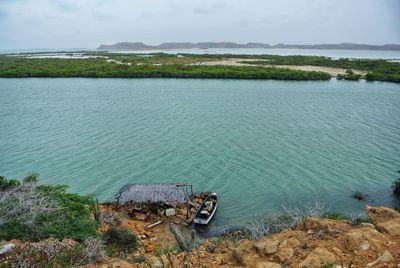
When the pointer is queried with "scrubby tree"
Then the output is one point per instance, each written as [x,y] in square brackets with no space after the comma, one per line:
[120,239]
[29,211]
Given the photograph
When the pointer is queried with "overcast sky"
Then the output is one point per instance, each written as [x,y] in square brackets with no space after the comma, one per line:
[89,23]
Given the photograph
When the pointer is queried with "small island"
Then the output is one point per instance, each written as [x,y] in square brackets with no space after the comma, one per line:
[222,66]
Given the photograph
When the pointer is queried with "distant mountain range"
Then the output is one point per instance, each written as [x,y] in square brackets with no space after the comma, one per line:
[205,45]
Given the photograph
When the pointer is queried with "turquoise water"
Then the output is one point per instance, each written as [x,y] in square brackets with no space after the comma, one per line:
[259,144]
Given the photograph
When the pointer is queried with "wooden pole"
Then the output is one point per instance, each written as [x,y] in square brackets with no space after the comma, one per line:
[154,224]
[181,242]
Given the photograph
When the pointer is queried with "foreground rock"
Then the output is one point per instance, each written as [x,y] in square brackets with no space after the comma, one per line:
[317,258]
[321,243]
[386,257]
[386,220]
[313,243]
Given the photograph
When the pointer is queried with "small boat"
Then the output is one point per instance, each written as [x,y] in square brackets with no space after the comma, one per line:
[207,209]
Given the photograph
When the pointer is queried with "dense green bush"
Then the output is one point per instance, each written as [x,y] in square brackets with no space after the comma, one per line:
[349,75]
[380,76]
[6,184]
[33,212]
[120,239]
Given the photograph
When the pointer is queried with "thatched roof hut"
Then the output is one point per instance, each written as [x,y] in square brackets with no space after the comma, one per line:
[149,193]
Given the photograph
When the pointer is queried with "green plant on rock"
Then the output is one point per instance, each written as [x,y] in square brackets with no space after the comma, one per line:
[328,265]
[169,251]
[159,253]
[139,259]
[31,178]
[120,239]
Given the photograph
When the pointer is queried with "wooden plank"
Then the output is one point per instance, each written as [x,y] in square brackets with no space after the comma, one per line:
[154,224]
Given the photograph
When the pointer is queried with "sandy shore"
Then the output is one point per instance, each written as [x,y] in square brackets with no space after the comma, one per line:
[238,62]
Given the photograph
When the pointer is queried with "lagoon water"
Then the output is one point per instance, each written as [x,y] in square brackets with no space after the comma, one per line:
[332,53]
[259,144]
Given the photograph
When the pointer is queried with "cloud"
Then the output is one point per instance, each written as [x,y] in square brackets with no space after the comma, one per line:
[87,23]
[3,14]
[103,16]
[66,5]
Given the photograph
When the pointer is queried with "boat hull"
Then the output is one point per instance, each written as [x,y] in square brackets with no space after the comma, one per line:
[205,221]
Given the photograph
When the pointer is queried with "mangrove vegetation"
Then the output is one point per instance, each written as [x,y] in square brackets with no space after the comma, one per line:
[104,64]
[100,67]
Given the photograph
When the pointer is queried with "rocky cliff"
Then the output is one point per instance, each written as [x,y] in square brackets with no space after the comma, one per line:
[317,243]
[313,243]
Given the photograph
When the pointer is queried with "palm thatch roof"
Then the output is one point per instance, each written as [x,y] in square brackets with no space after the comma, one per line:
[151,193]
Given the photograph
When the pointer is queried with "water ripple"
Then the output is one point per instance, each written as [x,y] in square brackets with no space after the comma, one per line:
[264,143]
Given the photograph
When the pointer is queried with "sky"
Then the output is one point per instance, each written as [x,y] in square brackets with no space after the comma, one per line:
[89,23]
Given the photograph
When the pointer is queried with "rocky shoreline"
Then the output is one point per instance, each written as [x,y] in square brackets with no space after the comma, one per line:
[314,243]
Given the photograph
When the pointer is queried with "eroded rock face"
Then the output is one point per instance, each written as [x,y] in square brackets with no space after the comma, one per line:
[266,246]
[317,258]
[328,226]
[285,254]
[355,240]
[384,258]
[391,227]
[386,220]
[381,214]
[292,242]
[364,238]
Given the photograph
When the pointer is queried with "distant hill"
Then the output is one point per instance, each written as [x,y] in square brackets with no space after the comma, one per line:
[182,45]
[205,45]
[343,46]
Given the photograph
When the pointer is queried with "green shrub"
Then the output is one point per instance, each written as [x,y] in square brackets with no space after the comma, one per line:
[354,219]
[335,216]
[139,259]
[328,265]
[349,75]
[31,178]
[75,222]
[120,239]
[33,212]
[6,184]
